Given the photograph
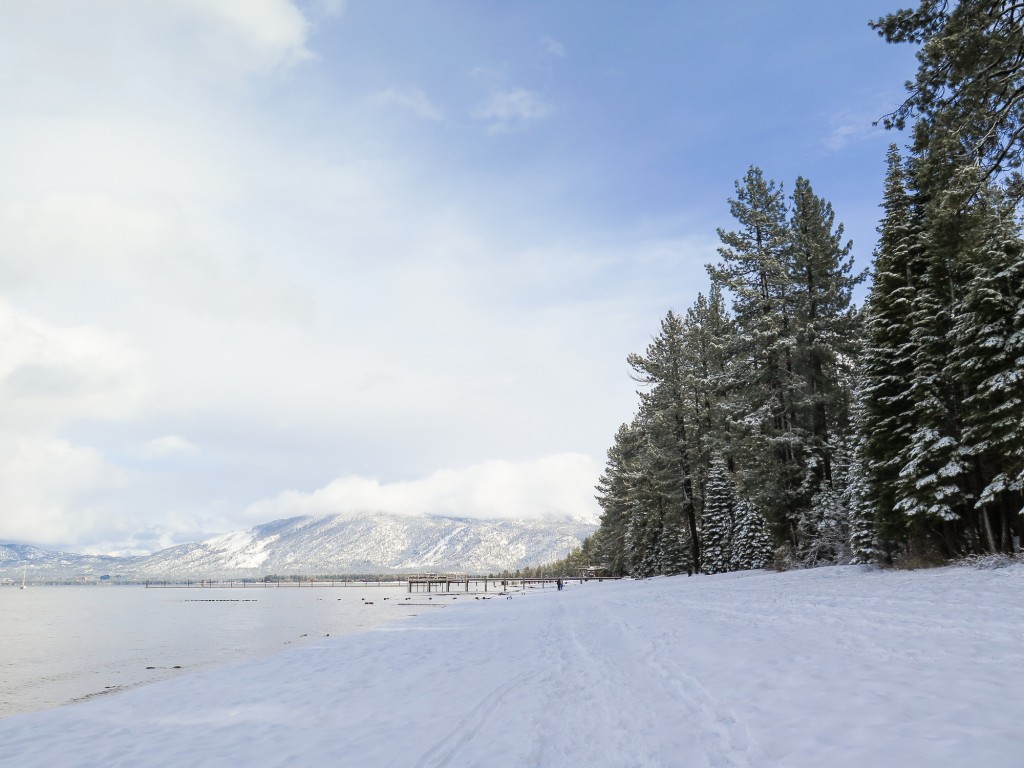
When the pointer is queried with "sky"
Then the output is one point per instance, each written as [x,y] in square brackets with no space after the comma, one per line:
[262,258]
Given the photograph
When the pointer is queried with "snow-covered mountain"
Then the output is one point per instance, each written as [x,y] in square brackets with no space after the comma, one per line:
[36,563]
[350,543]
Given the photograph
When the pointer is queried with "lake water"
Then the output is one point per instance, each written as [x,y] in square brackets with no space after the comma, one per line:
[59,645]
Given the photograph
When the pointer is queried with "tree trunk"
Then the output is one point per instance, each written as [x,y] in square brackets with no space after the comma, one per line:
[691,523]
[987,524]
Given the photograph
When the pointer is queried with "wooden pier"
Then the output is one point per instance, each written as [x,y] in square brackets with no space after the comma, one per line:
[417,583]
[435,583]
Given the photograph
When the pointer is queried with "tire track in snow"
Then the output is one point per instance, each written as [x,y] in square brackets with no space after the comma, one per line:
[724,740]
[592,714]
[442,753]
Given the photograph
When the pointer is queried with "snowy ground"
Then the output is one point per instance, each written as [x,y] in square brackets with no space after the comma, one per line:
[827,668]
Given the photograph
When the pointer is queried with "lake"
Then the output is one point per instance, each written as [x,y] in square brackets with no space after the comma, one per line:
[62,644]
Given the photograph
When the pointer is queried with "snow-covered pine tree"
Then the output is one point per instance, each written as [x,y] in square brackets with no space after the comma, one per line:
[664,401]
[708,331]
[645,505]
[935,489]
[718,519]
[863,539]
[751,542]
[887,361]
[615,489]
[644,529]
[752,271]
[824,328]
[674,544]
[967,102]
[825,530]
[988,364]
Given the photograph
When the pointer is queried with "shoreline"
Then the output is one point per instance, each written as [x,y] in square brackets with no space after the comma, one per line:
[118,664]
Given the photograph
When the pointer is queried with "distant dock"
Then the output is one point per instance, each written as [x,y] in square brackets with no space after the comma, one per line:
[418,583]
[490,583]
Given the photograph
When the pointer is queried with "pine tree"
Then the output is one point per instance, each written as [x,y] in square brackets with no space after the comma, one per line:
[718,519]
[616,488]
[988,364]
[674,545]
[796,337]
[932,489]
[958,417]
[762,383]
[819,270]
[751,542]
[888,358]
[665,403]
[825,529]
[708,333]
[645,507]
[863,536]
[929,415]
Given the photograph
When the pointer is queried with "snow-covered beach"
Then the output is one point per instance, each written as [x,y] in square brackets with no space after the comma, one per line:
[829,667]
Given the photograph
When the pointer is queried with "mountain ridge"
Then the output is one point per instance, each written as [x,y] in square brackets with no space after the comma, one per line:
[349,543]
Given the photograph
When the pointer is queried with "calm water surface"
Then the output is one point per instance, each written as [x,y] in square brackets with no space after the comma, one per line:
[60,645]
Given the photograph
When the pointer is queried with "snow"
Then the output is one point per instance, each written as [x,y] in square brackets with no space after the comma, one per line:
[828,667]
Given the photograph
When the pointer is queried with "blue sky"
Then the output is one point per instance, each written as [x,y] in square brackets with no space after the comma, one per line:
[261,258]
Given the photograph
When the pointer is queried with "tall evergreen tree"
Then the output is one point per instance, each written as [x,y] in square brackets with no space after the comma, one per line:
[708,333]
[988,365]
[796,338]
[931,488]
[615,489]
[819,271]
[752,270]
[888,359]
[956,336]
[665,402]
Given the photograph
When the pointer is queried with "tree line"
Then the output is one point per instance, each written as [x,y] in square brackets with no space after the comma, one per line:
[779,424]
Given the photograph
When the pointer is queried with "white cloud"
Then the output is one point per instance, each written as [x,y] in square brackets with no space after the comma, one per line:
[511,110]
[52,490]
[48,489]
[51,375]
[168,445]
[554,487]
[409,98]
[254,34]
[554,48]
[90,242]
[142,52]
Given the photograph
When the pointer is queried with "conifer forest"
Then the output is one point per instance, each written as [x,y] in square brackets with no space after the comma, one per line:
[780,424]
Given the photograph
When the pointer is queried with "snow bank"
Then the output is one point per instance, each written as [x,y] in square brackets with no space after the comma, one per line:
[833,667]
